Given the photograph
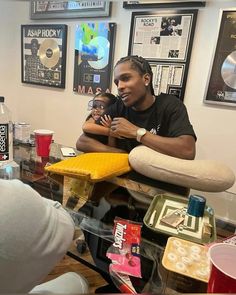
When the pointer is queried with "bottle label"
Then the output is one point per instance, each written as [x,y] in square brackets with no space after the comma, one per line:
[4,142]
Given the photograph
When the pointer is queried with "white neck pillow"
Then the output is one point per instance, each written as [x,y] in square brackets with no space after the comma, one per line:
[203,175]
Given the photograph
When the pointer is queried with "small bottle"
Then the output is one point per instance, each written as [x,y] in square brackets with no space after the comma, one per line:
[6,134]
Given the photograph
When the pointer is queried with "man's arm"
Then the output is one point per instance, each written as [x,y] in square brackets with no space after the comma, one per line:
[88,145]
[180,147]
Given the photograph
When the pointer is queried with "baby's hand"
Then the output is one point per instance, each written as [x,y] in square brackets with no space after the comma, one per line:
[106,121]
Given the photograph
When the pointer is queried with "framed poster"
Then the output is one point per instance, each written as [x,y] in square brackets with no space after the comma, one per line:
[43,54]
[68,9]
[165,36]
[94,48]
[165,39]
[221,88]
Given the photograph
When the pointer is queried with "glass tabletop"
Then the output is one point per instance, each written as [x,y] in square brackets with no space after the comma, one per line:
[95,219]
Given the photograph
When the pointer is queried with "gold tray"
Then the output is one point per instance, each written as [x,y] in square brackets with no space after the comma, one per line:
[190,229]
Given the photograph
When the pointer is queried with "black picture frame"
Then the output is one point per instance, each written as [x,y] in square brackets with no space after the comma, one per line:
[221,84]
[166,47]
[94,51]
[69,9]
[43,54]
[162,4]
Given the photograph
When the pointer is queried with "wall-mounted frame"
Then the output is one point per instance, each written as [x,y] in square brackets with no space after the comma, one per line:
[168,78]
[221,86]
[162,4]
[43,54]
[69,9]
[94,49]
[165,39]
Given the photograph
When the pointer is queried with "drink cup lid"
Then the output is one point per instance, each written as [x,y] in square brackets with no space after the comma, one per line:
[43,131]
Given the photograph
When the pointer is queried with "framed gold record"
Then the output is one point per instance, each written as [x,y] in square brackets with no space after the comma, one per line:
[43,54]
[221,87]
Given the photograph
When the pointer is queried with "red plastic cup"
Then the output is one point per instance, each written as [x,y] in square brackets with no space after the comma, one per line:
[223,271]
[43,140]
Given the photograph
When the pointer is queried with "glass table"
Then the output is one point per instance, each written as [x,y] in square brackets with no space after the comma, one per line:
[95,217]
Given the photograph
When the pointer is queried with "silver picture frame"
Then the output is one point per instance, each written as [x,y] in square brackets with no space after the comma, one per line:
[53,9]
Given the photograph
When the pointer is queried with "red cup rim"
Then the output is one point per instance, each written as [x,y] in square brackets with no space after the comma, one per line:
[220,245]
[44,132]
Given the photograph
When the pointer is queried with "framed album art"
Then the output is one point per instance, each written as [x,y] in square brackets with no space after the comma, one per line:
[69,9]
[221,88]
[43,54]
[94,49]
[165,39]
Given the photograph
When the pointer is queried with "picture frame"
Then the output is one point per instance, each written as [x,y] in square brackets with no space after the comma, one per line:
[94,51]
[168,78]
[162,4]
[53,9]
[221,82]
[43,54]
[165,39]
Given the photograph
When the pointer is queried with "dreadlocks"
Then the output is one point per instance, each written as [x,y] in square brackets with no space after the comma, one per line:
[139,64]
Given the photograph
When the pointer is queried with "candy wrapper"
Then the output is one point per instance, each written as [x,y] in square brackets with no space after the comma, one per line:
[125,251]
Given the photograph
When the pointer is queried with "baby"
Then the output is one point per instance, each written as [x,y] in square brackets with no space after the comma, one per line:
[98,106]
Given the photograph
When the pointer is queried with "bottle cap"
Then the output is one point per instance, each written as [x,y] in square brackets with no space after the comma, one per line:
[196,205]
[1,98]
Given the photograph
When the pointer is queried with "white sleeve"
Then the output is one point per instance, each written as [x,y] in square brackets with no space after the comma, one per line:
[35,235]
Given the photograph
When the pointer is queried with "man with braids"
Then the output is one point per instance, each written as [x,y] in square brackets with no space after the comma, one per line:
[139,117]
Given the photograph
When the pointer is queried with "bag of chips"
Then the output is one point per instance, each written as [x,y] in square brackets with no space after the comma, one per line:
[125,251]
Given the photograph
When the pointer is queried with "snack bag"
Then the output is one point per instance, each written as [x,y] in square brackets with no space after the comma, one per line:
[125,251]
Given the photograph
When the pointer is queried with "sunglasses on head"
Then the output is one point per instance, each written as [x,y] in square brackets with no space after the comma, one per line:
[96,104]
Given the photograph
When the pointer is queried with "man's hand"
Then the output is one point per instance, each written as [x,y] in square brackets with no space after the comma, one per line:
[120,127]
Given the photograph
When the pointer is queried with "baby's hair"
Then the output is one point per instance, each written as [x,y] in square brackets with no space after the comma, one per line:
[139,64]
[112,98]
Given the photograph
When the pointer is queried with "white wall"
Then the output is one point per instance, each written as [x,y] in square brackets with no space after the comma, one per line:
[64,111]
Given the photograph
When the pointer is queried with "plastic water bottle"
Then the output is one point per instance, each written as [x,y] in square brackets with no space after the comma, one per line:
[6,134]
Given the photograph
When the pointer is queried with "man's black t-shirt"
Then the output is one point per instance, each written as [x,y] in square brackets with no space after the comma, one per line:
[167,117]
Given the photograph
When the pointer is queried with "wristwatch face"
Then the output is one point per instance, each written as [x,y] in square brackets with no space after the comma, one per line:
[140,133]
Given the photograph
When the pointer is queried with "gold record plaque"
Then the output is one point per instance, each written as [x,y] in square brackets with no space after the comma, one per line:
[44,54]
[222,82]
